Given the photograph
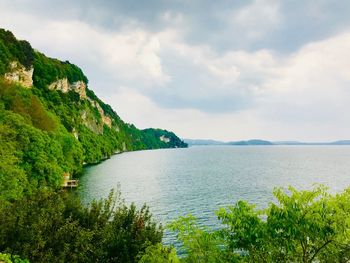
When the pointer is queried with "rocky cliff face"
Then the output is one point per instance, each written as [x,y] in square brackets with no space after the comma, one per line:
[64,86]
[79,87]
[105,119]
[18,73]
[24,77]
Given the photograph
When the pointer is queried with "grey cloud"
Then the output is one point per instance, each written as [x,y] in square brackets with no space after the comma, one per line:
[205,21]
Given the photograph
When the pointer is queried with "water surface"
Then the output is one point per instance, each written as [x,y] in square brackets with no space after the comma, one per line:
[200,179]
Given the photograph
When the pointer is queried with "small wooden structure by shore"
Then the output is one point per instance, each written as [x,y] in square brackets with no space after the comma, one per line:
[68,182]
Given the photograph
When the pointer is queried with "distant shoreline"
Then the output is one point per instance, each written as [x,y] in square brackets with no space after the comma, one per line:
[258,142]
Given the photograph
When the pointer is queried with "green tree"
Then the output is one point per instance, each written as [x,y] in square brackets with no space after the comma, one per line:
[159,254]
[13,180]
[7,258]
[56,227]
[303,226]
[199,244]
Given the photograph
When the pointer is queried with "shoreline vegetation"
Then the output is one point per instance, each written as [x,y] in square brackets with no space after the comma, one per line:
[51,123]
[302,226]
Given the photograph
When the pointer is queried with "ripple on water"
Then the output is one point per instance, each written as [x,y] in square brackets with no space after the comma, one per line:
[199,180]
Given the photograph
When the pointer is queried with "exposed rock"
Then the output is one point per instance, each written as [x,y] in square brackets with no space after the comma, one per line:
[105,119]
[91,123]
[61,85]
[93,126]
[75,134]
[164,139]
[80,88]
[20,74]
[64,86]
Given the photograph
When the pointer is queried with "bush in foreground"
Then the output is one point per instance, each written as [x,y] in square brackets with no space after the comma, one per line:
[55,227]
[303,226]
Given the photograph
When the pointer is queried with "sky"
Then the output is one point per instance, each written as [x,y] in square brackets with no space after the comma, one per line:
[226,70]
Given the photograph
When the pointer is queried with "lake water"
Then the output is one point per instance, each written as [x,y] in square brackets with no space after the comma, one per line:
[200,179]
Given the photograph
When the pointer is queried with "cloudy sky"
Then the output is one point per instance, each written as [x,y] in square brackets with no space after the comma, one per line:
[225,69]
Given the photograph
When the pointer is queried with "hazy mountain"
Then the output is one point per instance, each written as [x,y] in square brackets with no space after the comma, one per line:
[203,142]
[251,142]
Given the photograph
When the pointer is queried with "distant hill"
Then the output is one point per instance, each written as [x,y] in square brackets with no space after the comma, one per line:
[203,142]
[343,142]
[195,142]
[251,142]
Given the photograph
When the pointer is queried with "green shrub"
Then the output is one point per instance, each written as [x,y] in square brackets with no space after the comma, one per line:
[6,258]
[304,226]
[56,227]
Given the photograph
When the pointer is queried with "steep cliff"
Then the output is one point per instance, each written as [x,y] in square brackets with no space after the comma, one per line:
[57,122]
[18,73]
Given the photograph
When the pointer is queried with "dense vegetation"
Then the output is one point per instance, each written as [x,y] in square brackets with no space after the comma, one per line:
[56,227]
[45,133]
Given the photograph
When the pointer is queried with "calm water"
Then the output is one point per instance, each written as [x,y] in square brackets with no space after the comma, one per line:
[200,179]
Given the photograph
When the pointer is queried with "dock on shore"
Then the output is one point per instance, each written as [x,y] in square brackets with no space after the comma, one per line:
[68,182]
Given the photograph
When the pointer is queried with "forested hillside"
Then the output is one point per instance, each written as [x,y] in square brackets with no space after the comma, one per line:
[51,123]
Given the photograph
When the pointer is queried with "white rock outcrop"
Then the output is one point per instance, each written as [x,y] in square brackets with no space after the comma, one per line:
[61,85]
[164,139]
[105,119]
[20,74]
[79,87]
[64,86]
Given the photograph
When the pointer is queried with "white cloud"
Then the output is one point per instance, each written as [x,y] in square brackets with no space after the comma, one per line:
[257,18]
[312,85]
[151,61]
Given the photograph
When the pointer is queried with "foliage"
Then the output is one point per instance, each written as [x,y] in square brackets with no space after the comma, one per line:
[6,258]
[22,102]
[199,244]
[159,254]
[12,49]
[48,70]
[35,149]
[13,180]
[304,226]
[56,227]
[151,136]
